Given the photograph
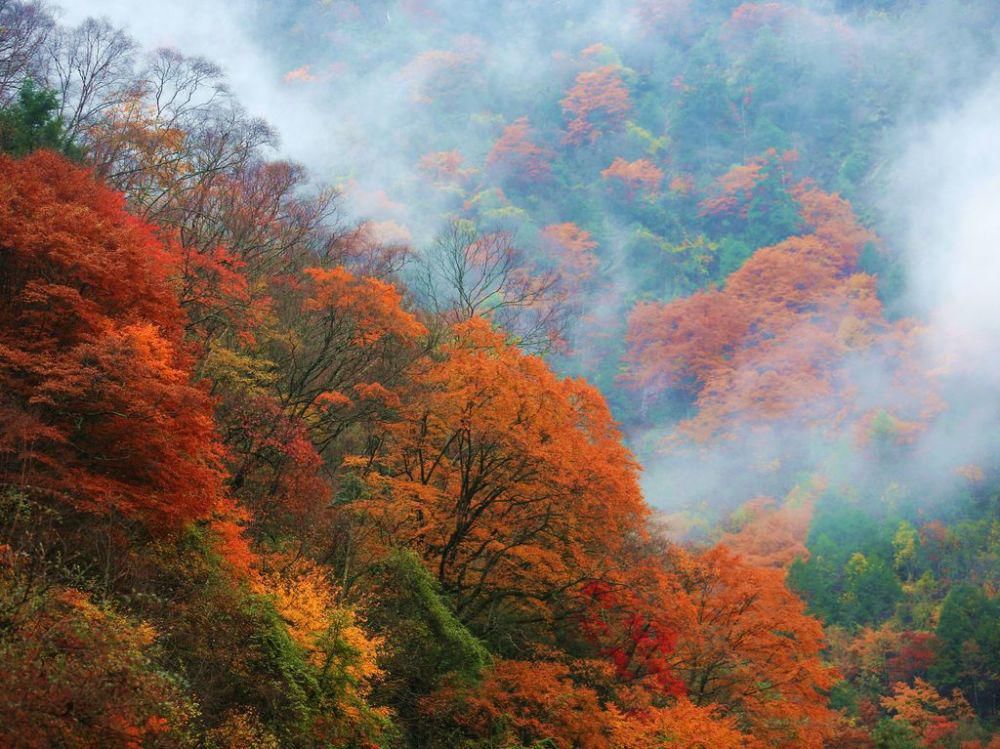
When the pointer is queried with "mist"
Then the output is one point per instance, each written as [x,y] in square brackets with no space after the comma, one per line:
[945,190]
[358,92]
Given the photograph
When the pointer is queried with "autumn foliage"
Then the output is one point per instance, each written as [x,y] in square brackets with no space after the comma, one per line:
[445,167]
[77,675]
[596,104]
[747,643]
[641,176]
[573,250]
[768,346]
[272,477]
[516,155]
[734,190]
[933,717]
[98,404]
[512,482]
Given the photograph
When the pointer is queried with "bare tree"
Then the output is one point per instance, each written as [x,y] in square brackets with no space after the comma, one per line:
[265,214]
[470,273]
[156,131]
[91,69]
[25,27]
[166,130]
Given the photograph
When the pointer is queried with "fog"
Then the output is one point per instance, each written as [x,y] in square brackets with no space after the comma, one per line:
[354,110]
[945,190]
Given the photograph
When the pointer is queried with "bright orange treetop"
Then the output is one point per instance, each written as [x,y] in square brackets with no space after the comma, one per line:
[746,643]
[512,482]
[771,344]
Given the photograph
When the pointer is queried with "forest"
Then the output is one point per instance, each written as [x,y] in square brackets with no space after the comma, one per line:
[463,374]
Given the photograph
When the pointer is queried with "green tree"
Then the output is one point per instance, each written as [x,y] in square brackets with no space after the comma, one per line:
[773,215]
[969,658]
[892,734]
[848,578]
[32,122]
[424,640]
[872,590]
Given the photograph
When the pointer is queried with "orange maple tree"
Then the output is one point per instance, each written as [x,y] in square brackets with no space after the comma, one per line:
[746,644]
[79,675]
[771,344]
[576,704]
[732,192]
[934,717]
[643,725]
[95,390]
[512,482]
[772,534]
[683,343]
[640,176]
[522,702]
[597,103]
[343,350]
[573,248]
[515,154]
[445,167]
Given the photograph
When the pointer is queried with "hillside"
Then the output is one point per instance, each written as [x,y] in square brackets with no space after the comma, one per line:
[499,375]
